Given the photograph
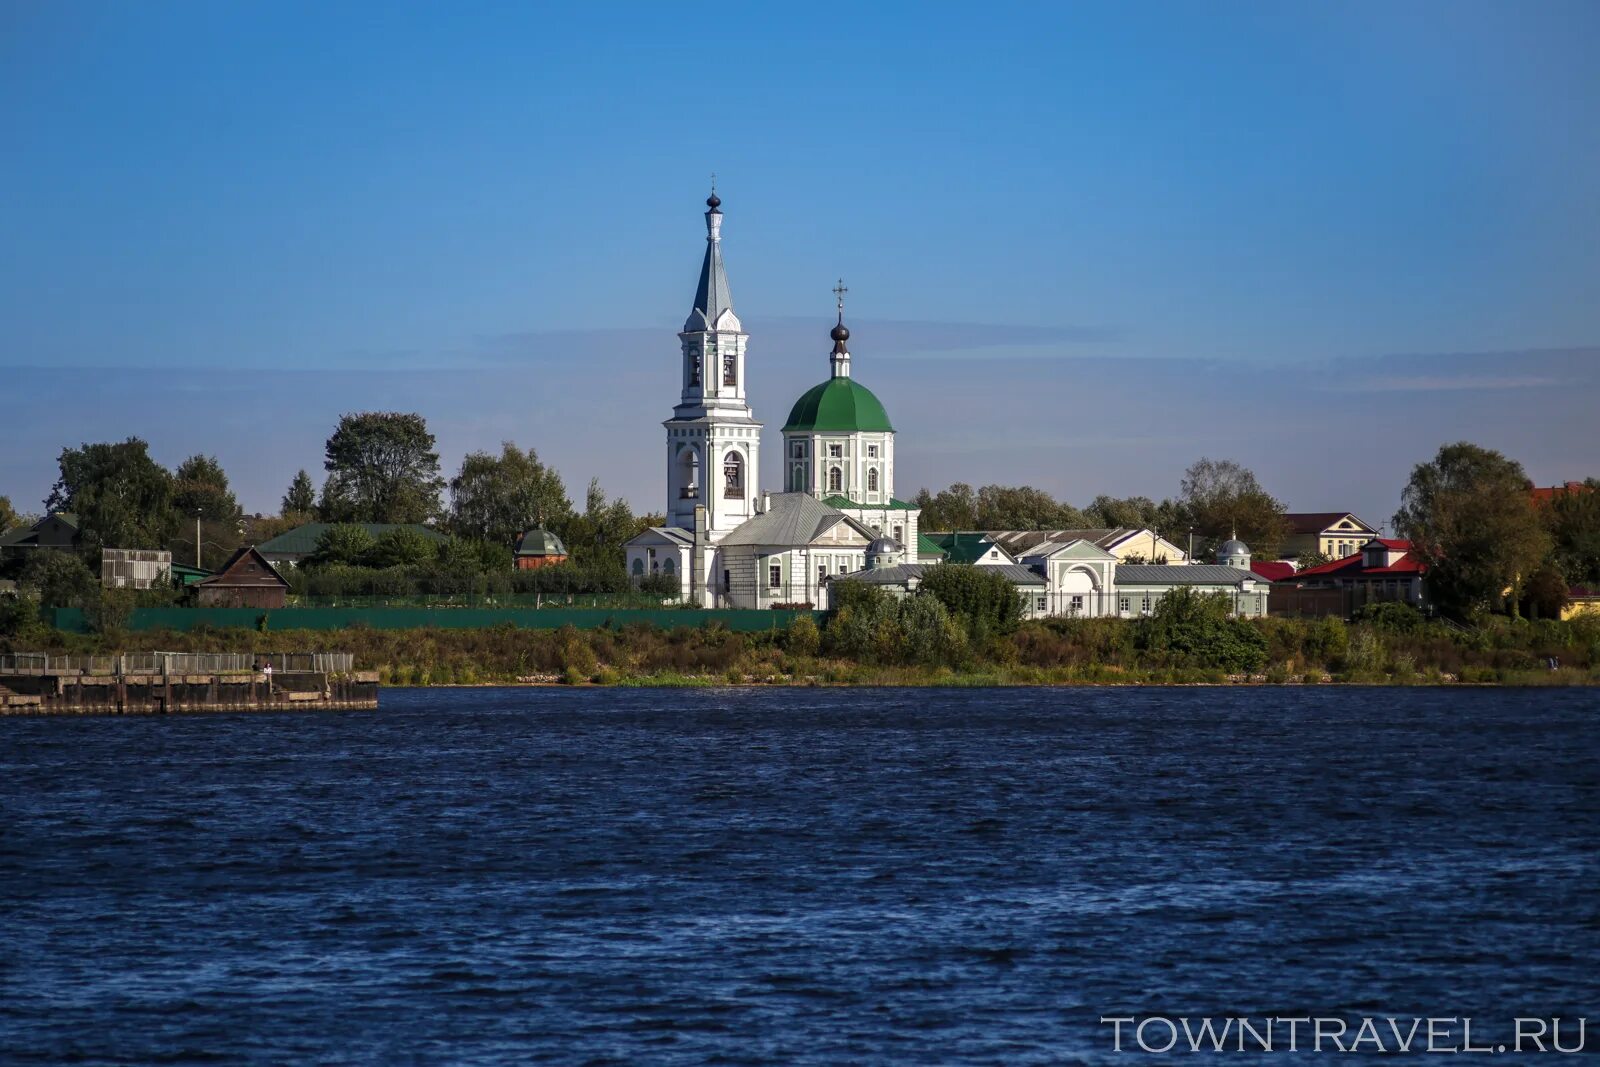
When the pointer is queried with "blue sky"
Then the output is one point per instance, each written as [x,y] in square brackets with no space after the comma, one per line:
[1084,244]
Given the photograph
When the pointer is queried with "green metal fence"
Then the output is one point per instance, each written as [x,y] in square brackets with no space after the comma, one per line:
[535,601]
[445,618]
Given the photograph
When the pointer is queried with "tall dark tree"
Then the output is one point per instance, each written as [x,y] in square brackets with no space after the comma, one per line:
[122,497]
[200,490]
[300,502]
[1022,507]
[955,508]
[1223,500]
[382,467]
[496,498]
[1111,512]
[1573,517]
[1470,518]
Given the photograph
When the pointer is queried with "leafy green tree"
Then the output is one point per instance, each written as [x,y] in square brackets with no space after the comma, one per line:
[801,637]
[381,467]
[595,538]
[1470,518]
[344,544]
[300,502]
[661,586]
[60,580]
[1111,513]
[405,547]
[1544,594]
[1574,521]
[200,490]
[928,634]
[1022,507]
[1311,559]
[1195,630]
[8,515]
[981,598]
[497,498]
[955,508]
[1224,500]
[122,497]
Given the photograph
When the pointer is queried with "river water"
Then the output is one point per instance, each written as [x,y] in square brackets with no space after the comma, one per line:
[789,876]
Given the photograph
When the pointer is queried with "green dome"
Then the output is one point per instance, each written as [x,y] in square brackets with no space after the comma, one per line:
[838,404]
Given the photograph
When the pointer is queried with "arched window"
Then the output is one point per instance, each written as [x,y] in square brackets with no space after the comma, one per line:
[835,480]
[872,480]
[638,567]
[689,473]
[733,476]
[667,566]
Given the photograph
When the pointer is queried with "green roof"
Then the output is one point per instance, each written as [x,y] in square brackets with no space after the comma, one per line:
[894,504]
[839,404]
[302,540]
[927,549]
[959,547]
[540,543]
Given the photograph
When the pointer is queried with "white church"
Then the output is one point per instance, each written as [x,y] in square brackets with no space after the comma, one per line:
[732,545]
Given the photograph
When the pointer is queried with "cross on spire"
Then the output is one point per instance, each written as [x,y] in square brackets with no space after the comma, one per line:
[838,291]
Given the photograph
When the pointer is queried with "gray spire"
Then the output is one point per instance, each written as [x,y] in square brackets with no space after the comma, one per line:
[711,297]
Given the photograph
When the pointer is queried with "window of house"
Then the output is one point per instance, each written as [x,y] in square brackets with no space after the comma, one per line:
[694,366]
[1077,605]
[638,568]
[1041,603]
[775,575]
[836,451]
[872,480]
[872,451]
[822,575]
[1146,607]
[733,476]
[727,582]
[900,534]
[730,369]
[835,480]
[1123,603]
[799,450]
[667,566]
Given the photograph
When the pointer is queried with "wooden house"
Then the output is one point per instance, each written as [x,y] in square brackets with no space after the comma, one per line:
[247,580]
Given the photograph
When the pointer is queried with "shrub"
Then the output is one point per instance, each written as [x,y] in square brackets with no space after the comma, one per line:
[802,638]
[1194,629]
[981,597]
[1391,617]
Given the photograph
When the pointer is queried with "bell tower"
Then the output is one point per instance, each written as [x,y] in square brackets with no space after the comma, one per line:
[713,439]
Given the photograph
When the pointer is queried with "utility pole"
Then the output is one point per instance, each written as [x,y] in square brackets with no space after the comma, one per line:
[197,539]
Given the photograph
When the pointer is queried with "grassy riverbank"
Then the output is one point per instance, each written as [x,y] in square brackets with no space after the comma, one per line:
[1396,650]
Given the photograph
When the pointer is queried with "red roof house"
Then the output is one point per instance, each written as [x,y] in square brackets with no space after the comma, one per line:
[1273,570]
[1385,569]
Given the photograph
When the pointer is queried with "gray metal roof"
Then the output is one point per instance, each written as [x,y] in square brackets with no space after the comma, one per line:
[1021,542]
[1015,573]
[711,296]
[790,519]
[671,533]
[1182,574]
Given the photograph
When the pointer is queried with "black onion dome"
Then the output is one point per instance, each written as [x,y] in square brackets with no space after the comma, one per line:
[713,201]
[840,332]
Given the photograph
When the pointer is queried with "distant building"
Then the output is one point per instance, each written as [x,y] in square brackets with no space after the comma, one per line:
[134,568]
[247,580]
[1129,544]
[972,546]
[293,546]
[1335,534]
[1544,496]
[886,570]
[1383,570]
[1140,587]
[1581,600]
[57,530]
[538,548]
